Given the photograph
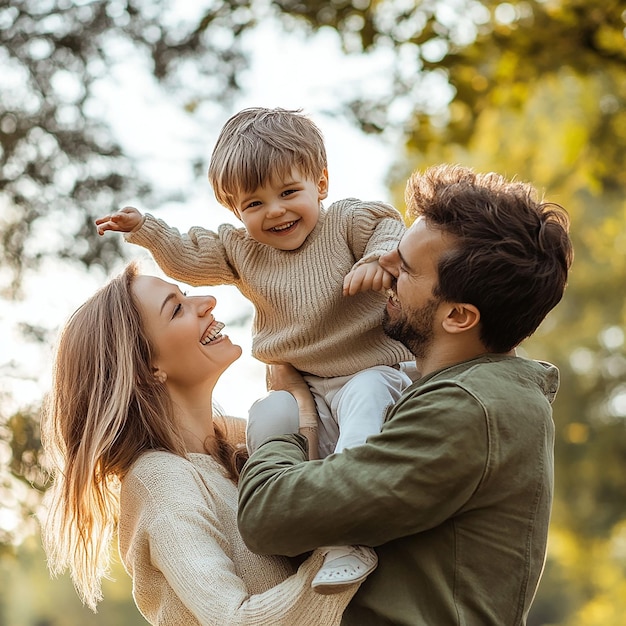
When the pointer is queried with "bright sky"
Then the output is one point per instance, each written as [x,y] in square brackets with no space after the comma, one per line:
[312,76]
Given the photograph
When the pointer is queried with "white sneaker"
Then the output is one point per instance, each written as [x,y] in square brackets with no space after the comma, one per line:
[344,566]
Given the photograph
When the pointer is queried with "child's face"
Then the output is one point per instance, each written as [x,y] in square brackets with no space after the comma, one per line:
[283,212]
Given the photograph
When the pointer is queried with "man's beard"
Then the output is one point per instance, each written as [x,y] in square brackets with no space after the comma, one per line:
[415,332]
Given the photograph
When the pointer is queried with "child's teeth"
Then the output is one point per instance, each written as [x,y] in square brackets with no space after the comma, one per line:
[283,227]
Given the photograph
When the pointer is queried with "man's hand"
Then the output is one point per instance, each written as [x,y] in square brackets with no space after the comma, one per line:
[122,221]
[367,277]
[287,378]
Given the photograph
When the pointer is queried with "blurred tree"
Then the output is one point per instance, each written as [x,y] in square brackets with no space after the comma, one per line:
[60,163]
[28,596]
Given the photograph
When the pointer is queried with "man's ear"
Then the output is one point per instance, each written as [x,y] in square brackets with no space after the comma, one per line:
[461,317]
[322,185]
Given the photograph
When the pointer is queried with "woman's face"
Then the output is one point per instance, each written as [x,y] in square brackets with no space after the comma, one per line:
[190,349]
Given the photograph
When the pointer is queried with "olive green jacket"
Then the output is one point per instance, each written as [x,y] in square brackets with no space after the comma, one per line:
[455,495]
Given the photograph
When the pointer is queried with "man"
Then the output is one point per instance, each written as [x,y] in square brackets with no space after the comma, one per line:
[455,492]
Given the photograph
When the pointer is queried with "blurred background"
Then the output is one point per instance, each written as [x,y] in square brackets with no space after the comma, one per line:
[105,103]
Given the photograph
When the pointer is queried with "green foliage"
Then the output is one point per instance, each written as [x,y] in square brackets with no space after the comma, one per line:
[26,449]
[60,162]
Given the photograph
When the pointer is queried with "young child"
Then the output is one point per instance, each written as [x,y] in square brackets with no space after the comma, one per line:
[311,273]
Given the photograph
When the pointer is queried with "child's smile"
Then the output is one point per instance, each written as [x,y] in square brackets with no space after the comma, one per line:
[283,212]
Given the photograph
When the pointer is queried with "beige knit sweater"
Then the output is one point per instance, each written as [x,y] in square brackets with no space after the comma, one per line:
[301,316]
[180,544]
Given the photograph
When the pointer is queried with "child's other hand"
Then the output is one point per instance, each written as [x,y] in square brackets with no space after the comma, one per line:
[122,221]
[367,277]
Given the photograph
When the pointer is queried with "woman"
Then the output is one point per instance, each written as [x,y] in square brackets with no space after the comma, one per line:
[132,436]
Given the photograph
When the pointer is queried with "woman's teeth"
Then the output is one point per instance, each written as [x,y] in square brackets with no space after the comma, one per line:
[213,333]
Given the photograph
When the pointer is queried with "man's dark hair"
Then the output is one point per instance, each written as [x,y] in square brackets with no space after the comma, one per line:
[513,251]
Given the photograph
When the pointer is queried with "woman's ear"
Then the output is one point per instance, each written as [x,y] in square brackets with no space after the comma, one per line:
[160,375]
[461,317]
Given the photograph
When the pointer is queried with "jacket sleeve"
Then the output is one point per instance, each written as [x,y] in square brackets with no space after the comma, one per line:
[424,465]
[180,536]
[199,257]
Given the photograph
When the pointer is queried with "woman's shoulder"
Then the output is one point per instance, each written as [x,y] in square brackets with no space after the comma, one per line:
[158,465]
[157,469]
[159,476]
[157,461]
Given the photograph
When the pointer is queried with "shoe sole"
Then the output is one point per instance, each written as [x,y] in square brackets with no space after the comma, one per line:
[330,588]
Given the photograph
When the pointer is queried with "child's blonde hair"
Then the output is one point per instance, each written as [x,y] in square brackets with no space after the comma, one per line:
[258,145]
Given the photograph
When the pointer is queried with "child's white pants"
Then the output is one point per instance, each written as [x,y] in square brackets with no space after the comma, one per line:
[350,408]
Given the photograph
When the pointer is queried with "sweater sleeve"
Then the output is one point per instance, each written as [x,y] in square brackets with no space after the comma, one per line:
[375,229]
[428,459]
[185,541]
[199,257]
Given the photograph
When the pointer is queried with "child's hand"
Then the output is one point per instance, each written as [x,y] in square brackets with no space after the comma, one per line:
[123,221]
[367,277]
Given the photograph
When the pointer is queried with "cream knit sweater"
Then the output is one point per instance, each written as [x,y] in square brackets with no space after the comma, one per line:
[180,544]
[301,316]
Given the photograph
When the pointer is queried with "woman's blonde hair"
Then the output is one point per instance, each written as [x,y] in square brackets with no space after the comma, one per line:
[104,410]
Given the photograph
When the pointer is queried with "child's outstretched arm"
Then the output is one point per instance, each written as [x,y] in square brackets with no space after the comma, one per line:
[124,221]
[366,277]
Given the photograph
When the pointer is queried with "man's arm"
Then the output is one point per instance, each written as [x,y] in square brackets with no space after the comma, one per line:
[423,466]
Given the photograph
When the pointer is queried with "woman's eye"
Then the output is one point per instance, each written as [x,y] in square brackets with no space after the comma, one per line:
[177,309]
